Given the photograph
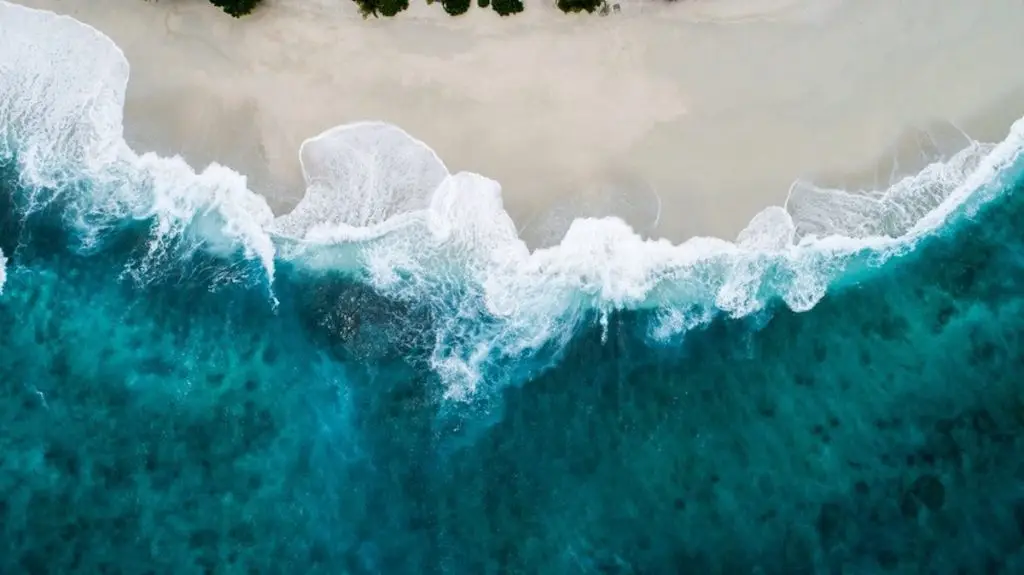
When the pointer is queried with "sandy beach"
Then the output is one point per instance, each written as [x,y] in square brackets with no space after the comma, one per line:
[709,109]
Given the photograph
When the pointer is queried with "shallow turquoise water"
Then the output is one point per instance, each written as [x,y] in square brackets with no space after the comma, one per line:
[190,424]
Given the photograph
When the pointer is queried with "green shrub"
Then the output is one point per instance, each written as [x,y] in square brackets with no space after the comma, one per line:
[483,3]
[377,8]
[587,6]
[455,7]
[236,8]
[507,7]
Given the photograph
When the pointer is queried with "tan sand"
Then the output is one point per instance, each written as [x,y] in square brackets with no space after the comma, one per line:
[715,106]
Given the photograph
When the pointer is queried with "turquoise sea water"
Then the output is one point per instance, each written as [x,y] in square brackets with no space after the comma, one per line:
[186,387]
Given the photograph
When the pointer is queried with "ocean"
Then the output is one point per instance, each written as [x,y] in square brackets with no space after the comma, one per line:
[387,380]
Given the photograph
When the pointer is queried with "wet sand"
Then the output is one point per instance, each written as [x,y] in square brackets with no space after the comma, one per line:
[685,118]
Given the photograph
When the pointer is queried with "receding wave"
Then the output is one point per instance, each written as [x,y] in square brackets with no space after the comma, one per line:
[380,205]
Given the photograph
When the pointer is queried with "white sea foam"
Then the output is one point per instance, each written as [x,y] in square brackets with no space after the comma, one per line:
[62,90]
[3,271]
[382,204]
[463,241]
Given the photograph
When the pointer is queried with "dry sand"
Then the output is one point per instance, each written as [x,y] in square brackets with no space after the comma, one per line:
[714,106]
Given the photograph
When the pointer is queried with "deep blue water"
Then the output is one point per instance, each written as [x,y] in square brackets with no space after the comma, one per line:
[191,425]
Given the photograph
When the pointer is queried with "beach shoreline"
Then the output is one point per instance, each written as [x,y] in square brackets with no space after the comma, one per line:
[708,110]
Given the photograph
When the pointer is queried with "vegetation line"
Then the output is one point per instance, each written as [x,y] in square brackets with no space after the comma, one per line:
[387,8]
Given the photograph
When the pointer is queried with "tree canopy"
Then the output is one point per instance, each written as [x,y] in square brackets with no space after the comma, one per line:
[507,7]
[579,5]
[236,8]
[377,8]
[455,7]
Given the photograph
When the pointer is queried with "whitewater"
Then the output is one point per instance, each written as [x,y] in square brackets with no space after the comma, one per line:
[388,379]
[381,205]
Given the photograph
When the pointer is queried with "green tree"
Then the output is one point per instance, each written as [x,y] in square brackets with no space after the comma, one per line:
[587,6]
[507,7]
[455,7]
[483,3]
[378,8]
[236,8]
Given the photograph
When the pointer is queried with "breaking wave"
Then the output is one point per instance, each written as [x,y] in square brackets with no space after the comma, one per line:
[382,207]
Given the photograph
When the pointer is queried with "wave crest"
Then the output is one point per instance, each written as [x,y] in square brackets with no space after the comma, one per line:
[381,204]
[62,99]
[82,96]
[361,175]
